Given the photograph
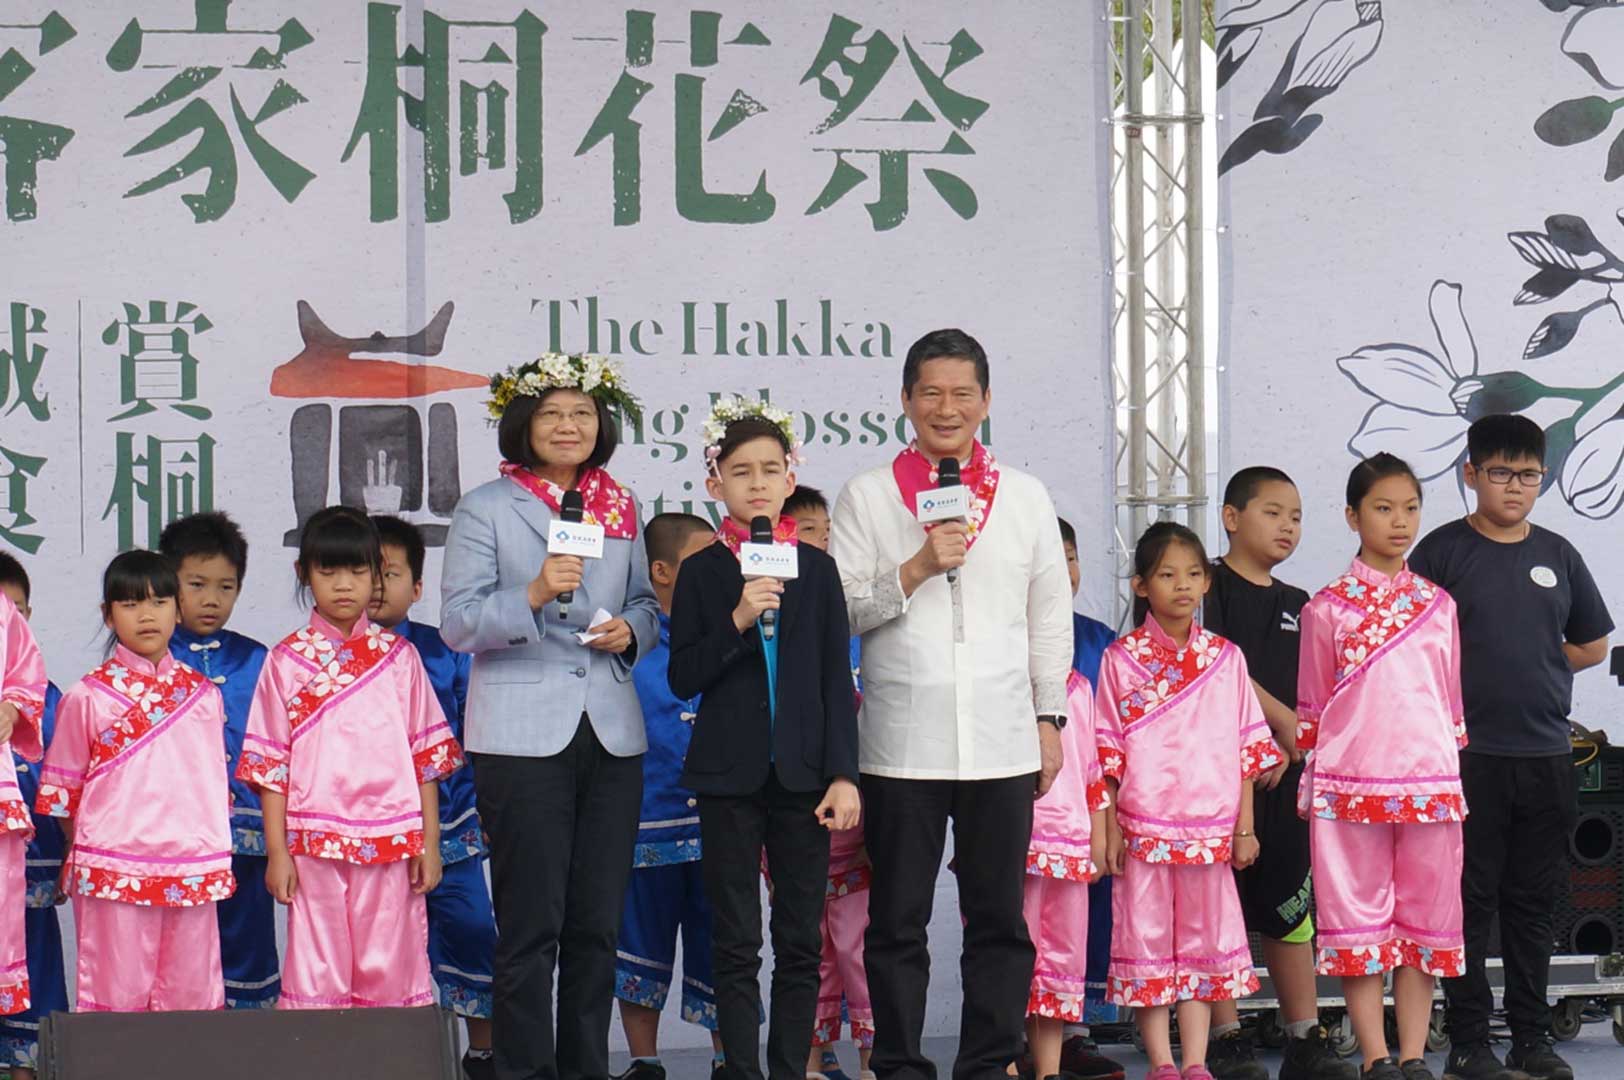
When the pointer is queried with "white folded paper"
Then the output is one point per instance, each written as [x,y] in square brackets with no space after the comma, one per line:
[599,617]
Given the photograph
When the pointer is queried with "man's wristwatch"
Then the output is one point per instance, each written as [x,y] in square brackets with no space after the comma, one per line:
[1059,721]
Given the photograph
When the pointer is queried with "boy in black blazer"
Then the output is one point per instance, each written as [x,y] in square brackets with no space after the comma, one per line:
[773,759]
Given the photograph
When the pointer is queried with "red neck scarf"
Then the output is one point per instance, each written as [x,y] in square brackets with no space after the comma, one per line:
[732,534]
[606,502]
[915,473]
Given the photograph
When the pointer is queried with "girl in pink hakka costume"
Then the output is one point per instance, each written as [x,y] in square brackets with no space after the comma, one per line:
[1181,738]
[138,766]
[1379,709]
[22,709]
[346,743]
[1065,855]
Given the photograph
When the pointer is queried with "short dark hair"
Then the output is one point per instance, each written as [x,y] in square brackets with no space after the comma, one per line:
[1243,486]
[1068,535]
[939,344]
[1377,467]
[398,532]
[12,573]
[665,534]
[748,429]
[1507,434]
[513,432]
[137,575]
[339,536]
[205,535]
[805,497]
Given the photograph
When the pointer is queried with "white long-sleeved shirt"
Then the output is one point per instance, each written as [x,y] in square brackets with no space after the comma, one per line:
[937,708]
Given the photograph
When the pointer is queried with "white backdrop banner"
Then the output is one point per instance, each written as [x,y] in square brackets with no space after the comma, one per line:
[262,256]
[1423,218]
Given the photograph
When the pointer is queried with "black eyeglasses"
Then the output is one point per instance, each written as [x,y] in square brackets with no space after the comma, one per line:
[1499,474]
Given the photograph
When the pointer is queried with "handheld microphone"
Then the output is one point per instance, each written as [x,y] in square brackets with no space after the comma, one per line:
[947,475]
[761,532]
[572,510]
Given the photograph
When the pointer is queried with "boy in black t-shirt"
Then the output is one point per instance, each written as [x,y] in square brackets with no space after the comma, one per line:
[1263,517]
[1530,616]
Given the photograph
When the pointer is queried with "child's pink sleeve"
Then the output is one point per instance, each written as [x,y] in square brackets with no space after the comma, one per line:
[1113,752]
[1316,672]
[1457,707]
[1259,753]
[268,745]
[22,682]
[435,753]
[1080,721]
[62,776]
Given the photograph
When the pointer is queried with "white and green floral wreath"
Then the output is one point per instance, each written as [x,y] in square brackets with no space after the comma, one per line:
[731,409]
[598,377]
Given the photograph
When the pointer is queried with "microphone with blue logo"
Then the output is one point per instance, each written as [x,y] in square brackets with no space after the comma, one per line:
[761,532]
[572,509]
[947,476]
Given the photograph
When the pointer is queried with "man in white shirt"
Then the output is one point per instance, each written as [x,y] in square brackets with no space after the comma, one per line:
[966,629]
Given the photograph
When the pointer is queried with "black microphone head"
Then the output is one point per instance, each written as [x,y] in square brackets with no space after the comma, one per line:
[947,472]
[574,507]
[761,529]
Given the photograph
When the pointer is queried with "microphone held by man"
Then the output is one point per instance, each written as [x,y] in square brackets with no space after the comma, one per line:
[766,566]
[944,511]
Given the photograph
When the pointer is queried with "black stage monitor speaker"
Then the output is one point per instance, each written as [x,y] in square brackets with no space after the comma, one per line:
[342,1044]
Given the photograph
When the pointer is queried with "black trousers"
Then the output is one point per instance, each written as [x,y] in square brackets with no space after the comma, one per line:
[905,827]
[1516,837]
[733,830]
[562,831]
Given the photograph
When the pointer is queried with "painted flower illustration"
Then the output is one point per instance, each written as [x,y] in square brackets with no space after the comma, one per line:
[1592,477]
[1594,33]
[1338,37]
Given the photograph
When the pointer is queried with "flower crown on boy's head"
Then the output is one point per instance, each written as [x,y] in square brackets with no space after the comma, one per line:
[728,411]
[598,377]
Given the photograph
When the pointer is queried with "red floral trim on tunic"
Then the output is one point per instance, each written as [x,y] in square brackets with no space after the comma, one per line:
[262,771]
[1099,796]
[827,1031]
[1152,993]
[16,997]
[1461,741]
[1388,609]
[152,698]
[362,851]
[1307,730]
[1111,762]
[54,800]
[1354,960]
[1389,809]
[732,535]
[29,711]
[177,891]
[338,666]
[913,473]
[435,763]
[854,880]
[14,817]
[1055,1005]
[604,502]
[1202,852]
[1171,671]
[1060,867]
[1259,757]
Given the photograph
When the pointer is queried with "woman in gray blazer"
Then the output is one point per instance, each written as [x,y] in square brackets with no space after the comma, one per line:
[553,726]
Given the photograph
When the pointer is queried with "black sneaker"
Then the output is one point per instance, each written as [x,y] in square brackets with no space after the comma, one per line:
[1080,1057]
[1311,1058]
[478,1068]
[1474,1061]
[1416,1069]
[1538,1058]
[1384,1069]
[1231,1057]
[640,1070]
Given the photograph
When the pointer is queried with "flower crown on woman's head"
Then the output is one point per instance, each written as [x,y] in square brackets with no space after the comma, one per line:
[598,377]
[730,410]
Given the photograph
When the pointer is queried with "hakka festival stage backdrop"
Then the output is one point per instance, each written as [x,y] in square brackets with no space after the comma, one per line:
[1424,214]
[263,255]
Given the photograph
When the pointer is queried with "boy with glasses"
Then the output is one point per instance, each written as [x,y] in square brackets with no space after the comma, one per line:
[1530,617]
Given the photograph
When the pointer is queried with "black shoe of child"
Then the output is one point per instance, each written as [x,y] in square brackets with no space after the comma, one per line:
[642,1070]
[478,1068]
[1231,1057]
[1384,1069]
[1538,1058]
[1416,1069]
[1311,1058]
[1473,1061]
[1080,1057]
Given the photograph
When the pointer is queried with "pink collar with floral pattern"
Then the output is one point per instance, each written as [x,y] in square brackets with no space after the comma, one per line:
[339,665]
[1389,606]
[914,472]
[605,502]
[1172,670]
[731,535]
[154,696]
